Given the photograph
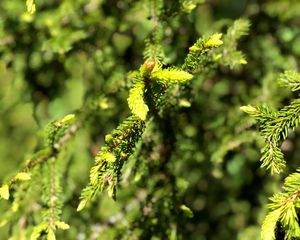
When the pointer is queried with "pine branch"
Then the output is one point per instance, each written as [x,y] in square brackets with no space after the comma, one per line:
[153,47]
[109,161]
[269,225]
[52,202]
[198,54]
[274,127]
[57,133]
[238,29]
[145,101]
[22,206]
[151,78]
[290,79]
[230,55]
[283,208]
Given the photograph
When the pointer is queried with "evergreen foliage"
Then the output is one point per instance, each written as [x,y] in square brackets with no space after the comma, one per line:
[275,127]
[283,210]
[30,6]
[152,91]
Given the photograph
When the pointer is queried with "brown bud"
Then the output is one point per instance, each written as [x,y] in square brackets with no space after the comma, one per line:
[149,65]
[58,124]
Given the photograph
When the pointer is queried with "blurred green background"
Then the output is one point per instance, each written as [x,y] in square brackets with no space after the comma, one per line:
[72,52]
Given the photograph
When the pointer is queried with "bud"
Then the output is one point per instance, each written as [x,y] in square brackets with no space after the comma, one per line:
[81,205]
[149,64]
[58,124]
[194,48]
[23,176]
[188,212]
[68,118]
[188,6]
[4,192]
[62,225]
[214,40]
[147,68]
[243,61]
[248,109]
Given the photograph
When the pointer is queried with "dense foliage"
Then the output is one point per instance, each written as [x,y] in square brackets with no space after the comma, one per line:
[126,119]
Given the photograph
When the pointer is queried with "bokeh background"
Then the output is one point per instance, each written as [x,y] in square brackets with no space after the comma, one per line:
[74,51]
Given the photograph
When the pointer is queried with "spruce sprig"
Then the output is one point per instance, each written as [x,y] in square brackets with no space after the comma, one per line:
[230,55]
[45,161]
[284,207]
[198,53]
[52,202]
[56,134]
[290,79]
[106,172]
[150,82]
[274,127]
